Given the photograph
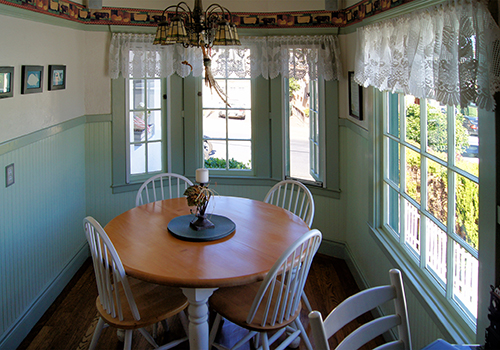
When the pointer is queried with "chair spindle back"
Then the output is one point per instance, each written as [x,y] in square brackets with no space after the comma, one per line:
[162,186]
[280,293]
[293,196]
[109,271]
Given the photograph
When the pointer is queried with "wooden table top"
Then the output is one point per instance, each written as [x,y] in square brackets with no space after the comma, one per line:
[151,253]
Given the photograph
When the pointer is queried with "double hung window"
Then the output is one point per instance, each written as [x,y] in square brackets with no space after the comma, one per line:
[431,192]
[145,138]
[227,127]
[243,135]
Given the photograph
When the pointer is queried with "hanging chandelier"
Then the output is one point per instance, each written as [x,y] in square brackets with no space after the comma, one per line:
[197,28]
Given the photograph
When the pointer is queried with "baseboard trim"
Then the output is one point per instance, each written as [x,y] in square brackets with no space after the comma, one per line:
[341,250]
[13,337]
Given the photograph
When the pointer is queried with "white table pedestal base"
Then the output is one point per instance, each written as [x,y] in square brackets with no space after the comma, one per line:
[198,316]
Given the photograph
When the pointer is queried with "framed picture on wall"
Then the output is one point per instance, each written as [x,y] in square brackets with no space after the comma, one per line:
[6,82]
[355,98]
[57,77]
[32,79]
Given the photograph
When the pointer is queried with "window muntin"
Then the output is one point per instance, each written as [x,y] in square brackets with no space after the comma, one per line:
[304,137]
[314,127]
[181,151]
[432,209]
[144,127]
[227,128]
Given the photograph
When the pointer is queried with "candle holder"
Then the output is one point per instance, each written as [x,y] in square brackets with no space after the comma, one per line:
[199,196]
[188,228]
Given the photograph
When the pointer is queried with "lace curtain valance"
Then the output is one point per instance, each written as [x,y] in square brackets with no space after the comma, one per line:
[291,56]
[448,52]
[135,55]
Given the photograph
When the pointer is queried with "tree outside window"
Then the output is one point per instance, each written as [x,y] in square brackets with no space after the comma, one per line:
[227,127]
[432,193]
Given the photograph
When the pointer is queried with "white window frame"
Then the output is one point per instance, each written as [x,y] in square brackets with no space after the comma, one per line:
[450,322]
[227,109]
[318,173]
[164,139]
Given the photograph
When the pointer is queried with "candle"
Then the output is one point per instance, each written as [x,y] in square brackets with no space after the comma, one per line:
[202,176]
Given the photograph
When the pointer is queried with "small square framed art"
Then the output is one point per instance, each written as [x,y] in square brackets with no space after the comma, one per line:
[6,82]
[32,79]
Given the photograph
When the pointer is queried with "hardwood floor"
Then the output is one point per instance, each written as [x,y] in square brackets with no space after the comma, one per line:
[69,322]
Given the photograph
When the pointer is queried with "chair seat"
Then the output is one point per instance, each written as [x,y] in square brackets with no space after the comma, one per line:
[234,304]
[155,302]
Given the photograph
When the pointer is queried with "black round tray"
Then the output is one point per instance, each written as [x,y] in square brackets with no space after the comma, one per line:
[179,227]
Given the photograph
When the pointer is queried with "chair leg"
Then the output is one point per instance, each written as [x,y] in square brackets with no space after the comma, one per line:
[254,342]
[128,339]
[265,341]
[184,322]
[306,302]
[303,334]
[244,340]
[290,333]
[214,330]
[155,331]
[97,334]
[295,343]
[165,326]
[120,334]
[148,337]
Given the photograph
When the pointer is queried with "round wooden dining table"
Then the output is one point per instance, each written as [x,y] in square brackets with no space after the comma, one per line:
[151,253]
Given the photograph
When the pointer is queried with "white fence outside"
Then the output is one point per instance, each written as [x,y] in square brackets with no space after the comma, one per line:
[465,266]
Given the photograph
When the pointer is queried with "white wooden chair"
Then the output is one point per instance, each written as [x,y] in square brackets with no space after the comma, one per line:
[295,197]
[162,186]
[125,302]
[358,304]
[272,305]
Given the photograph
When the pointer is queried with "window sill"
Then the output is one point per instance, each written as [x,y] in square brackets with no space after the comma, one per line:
[227,180]
[221,180]
[450,320]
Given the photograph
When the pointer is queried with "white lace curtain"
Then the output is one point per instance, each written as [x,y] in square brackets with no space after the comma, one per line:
[448,52]
[294,56]
[291,56]
[135,55]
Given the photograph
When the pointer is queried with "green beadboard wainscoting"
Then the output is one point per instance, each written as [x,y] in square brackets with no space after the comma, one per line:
[42,243]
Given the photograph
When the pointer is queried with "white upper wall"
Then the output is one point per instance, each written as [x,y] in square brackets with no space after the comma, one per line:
[88,88]
[34,43]
[97,80]
[349,3]
[232,5]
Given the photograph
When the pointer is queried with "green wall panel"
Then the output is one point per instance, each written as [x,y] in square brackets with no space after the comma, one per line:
[40,220]
[101,203]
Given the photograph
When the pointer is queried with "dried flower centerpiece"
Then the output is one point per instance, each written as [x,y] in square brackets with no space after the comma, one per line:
[200,228]
[198,196]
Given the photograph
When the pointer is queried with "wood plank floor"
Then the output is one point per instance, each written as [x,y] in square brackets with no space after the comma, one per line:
[69,322]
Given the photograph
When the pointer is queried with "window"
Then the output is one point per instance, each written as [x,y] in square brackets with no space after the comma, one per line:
[304,139]
[144,127]
[227,127]
[165,118]
[431,194]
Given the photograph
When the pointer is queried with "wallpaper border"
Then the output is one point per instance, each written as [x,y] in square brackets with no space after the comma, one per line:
[143,17]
